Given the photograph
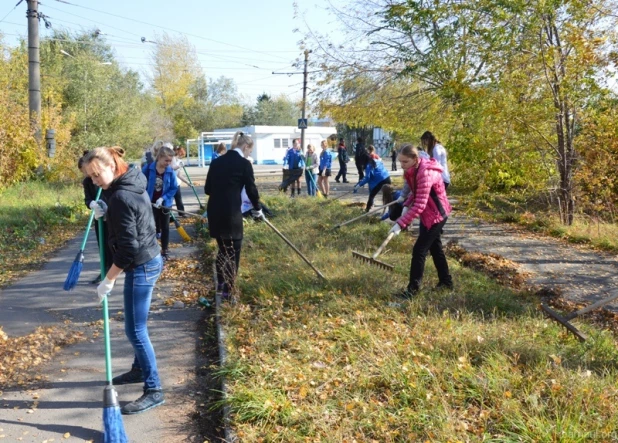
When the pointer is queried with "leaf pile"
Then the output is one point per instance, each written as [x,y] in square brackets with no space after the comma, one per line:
[497,267]
[194,279]
[20,355]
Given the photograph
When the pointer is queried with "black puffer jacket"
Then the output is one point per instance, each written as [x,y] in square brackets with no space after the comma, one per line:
[132,235]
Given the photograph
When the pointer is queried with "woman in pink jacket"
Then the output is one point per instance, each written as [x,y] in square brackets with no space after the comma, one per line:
[428,202]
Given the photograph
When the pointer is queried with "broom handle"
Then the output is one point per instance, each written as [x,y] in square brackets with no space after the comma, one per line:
[180,212]
[383,245]
[373,211]
[108,352]
[83,247]
[192,187]
[293,247]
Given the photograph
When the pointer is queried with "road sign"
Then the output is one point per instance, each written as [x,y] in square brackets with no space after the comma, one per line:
[302,123]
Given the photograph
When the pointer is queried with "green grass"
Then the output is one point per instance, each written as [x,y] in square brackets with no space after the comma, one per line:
[35,218]
[338,361]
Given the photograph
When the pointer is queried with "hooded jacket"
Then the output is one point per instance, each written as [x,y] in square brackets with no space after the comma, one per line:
[427,196]
[374,174]
[170,183]
[132,236]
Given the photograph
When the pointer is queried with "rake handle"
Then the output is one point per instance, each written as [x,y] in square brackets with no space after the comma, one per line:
[373,211]
[383,245]
[342,195]
[591,307]
[270,225]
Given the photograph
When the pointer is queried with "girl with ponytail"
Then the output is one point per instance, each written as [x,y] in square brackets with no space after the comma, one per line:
[135,252]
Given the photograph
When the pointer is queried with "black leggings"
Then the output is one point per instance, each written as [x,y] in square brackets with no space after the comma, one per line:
[374,192]
[162,221]
[428,241]
[227,262]
[178,199]
[108,252]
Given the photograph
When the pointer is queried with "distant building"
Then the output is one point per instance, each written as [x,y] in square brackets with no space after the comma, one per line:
[270,142]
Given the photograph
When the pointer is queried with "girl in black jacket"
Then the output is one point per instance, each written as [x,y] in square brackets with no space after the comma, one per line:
[133,242]
[226,178]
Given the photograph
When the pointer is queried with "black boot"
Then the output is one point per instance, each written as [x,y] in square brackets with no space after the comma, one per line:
[133,376]
[151,399]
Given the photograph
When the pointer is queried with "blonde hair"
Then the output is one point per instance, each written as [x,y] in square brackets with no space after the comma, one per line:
[241,139]
[310,146]
[107,156]
[165,151]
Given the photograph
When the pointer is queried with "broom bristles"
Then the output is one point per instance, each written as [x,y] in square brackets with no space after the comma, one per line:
[183,233]
[113,427]
[74,272]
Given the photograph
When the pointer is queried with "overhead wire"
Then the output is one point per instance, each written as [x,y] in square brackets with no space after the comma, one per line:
[169,29]
[9,13]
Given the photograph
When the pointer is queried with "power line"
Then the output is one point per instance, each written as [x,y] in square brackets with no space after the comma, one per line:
[170,29]
[9,13]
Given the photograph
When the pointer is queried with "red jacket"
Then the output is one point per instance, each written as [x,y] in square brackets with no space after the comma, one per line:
[422,180]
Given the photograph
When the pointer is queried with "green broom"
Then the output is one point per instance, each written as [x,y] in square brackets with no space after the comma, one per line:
[113,427]
[78,263]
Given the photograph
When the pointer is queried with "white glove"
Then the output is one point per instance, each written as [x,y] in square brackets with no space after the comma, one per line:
[159,202]
[286,167]
[405,210]
[257,213]
[104,288]
[355,189]
[396,229]
[100,208]
[92,204]
[181,163]
[401,199]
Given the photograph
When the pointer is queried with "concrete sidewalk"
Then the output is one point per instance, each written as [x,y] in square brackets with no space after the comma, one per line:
[72,400]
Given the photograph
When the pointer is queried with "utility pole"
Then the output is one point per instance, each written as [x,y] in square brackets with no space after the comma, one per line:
[302,131]
[305,74]
[34,68]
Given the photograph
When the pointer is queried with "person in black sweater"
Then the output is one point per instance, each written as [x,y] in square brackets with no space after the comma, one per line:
[361,158]
[226,178]
[135,252]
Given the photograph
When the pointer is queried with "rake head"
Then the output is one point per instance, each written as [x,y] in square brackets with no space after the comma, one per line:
[564,322]
[372,261]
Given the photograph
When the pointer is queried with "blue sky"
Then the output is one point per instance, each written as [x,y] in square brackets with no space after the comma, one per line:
[242,39]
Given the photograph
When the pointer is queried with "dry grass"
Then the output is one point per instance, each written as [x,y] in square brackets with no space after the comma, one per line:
[340,361]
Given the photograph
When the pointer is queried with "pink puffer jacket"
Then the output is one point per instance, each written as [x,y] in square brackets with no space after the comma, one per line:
[422,180]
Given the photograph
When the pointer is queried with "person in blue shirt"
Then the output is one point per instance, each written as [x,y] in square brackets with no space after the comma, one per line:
[295,162]
[162,186]
[376,176]
[218,151]
[326,161]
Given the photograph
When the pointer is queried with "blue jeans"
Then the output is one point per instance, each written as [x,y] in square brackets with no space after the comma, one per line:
[138,285]
[312,187]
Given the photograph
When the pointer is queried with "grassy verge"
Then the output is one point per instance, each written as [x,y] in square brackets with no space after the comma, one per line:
[338,361]
[35,219]
[535,217]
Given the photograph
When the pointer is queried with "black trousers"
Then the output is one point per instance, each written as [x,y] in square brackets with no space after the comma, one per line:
[394,212]
[374,192]
[178,199]
[428,241]
[343,171]
[227,262]
[394,168]
[162,222]
[103,237]
[360,169]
